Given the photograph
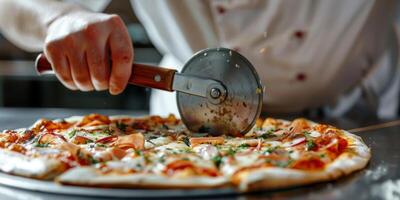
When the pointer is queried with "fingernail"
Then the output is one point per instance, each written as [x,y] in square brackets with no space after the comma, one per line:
[114,91]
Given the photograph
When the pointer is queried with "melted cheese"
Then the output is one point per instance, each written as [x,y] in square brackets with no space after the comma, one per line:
[159,141]
[315,134]
[173,147]
[229,167]
[206,151]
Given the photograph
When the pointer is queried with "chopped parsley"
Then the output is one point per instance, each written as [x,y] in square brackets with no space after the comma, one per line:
[101,145]
[42,145]
[188,150]
[268,134]
[107,131]
[217,160]
[244,145]
[152,137]
[165,127]
[186,140]
[322,155]
[149,141]
[93,160]
[162,159]
[36,142]
[306,134]
[121,126]
[270,150]
[231,152]
[72,134]
[310,145]
[139,152]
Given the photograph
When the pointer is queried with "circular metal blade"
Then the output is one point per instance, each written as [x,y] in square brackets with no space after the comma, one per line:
[239,111]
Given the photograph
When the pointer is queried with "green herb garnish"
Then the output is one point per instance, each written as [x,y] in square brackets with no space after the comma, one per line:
[188,150]
[101,145]
[217,160]
[270,150]
[268,134]
[121,126]
[186,140]
[162,159]
[244,145]
[165,127]
[107,131]
[306,134]
[42,145]
[72,134]
[93,160]
[310,145]
[231,152]
[151,137]
[139,152]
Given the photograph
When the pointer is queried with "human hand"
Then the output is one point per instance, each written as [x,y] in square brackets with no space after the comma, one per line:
[90,51]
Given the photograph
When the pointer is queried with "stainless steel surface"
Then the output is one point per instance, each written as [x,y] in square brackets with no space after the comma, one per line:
[234,114]
[379,180]
[194,85]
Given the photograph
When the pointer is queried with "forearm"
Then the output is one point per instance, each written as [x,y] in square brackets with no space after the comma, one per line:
[25,22]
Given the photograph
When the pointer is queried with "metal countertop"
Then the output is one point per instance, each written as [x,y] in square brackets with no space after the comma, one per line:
[380,180]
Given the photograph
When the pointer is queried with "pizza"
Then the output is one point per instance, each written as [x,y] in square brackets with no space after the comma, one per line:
[159,152]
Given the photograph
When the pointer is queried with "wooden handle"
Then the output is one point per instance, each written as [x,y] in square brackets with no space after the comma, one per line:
[142,75]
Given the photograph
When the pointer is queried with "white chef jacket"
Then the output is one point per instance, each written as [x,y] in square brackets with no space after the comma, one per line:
[308,53]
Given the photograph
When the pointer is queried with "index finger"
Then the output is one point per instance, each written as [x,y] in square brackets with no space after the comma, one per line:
[121,60]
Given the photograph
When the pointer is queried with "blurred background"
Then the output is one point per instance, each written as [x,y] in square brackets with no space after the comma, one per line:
[20,86]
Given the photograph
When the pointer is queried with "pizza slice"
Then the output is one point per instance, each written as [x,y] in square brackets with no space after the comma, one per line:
[296,153]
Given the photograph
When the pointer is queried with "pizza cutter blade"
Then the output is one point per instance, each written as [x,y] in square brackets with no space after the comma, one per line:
[218,90]
[241,101]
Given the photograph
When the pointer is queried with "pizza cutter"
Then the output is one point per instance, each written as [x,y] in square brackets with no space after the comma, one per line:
[218,90]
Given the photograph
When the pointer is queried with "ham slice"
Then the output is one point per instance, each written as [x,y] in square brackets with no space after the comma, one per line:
[206,140]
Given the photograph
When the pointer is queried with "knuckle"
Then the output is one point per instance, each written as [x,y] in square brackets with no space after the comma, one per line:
[91,32]
[116,19]
[95,58]
[123,56]
[71,42]
[52,48]
[81,78]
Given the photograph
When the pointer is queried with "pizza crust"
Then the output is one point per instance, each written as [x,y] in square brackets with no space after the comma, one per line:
[88,176]
[355,158]
[22,165]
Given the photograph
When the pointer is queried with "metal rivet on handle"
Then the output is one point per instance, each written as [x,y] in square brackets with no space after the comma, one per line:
[157,78]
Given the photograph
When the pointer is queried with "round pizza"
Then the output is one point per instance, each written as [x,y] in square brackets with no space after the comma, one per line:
[156,152]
